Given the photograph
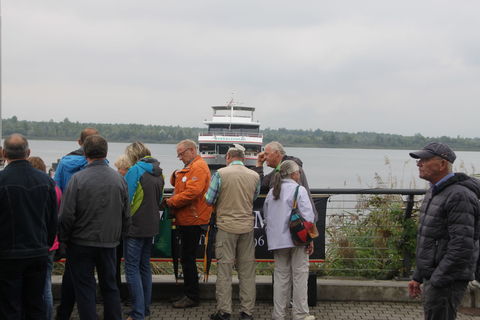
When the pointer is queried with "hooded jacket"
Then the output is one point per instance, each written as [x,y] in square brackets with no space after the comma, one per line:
[68,166]
[145,188]
[448,233]
[188,201]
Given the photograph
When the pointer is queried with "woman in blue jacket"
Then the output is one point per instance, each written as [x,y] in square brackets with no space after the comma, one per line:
[145,188]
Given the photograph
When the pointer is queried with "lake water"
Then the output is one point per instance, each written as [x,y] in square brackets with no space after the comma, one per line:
[325,167]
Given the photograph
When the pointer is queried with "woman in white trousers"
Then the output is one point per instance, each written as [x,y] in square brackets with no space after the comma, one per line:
[291,261]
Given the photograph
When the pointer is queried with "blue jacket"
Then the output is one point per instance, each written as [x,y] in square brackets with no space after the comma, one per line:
[68,166]
[145,187]
[28,211]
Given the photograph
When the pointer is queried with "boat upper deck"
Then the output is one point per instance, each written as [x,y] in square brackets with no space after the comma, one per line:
[237,117]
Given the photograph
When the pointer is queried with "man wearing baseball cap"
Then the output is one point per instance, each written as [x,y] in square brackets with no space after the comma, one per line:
[448,233]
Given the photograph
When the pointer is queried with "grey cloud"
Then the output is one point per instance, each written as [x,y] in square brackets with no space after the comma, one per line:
[399,67]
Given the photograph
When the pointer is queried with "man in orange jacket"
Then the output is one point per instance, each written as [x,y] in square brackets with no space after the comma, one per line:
[192,215]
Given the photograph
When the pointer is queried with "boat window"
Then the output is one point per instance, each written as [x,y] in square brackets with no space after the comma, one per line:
[252,148]
[218,126]
[207,148]
[236,129]
[243,128]
[223,148]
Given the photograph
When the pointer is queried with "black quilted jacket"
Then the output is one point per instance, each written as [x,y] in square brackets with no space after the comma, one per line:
[448,234]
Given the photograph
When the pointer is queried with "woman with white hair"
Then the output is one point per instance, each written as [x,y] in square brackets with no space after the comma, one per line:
[291,261]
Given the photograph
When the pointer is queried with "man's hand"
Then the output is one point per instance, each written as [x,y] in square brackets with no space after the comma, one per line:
[309,248]
[260,159]
[414,289]
[163,205]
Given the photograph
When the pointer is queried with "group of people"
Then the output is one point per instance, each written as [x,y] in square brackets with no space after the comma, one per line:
[96,214]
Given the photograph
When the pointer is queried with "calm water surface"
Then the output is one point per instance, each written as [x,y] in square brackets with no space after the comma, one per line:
[325,168]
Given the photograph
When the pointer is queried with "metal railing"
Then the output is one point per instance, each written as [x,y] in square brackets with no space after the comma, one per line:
[370,233]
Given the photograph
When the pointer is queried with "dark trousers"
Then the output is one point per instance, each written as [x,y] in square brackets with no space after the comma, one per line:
[442,303]
[83,261]
[190,237]
[123,289]
[22,282]
[67,297]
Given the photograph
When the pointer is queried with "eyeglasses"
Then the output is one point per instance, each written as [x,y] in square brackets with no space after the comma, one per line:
[180,154]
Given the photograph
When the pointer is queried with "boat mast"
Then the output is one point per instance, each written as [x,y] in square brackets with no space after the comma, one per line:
[230,104]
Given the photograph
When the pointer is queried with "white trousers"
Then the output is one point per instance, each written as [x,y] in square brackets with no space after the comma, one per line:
[291,270]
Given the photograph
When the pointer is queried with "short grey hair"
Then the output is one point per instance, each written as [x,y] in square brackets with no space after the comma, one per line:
[450,167]
[16,147]
[236,153]
[187,143]
[276,146]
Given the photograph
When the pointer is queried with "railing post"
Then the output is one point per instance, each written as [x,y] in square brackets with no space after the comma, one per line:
[407,256]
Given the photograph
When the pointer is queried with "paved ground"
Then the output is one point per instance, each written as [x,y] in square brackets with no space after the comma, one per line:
[323,310]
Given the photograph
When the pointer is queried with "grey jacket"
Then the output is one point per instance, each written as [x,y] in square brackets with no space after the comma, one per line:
[448,233]
[95,208]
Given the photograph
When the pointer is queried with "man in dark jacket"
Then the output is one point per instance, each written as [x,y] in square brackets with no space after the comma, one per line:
[67,167]
[448,233]
[93,214]
[274,154]
[28,221]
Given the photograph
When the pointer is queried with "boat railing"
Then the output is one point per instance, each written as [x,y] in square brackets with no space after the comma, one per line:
[229,116]
[229,133]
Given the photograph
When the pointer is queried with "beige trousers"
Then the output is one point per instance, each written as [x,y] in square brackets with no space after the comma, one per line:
[239,250]
[291,269]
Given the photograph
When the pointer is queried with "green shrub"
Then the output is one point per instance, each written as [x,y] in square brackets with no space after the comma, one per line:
[374,244]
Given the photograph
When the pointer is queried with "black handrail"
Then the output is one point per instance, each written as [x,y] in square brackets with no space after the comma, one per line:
[414,192]
[322,191]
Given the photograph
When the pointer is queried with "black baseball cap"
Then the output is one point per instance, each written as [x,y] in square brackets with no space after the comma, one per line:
[435,149]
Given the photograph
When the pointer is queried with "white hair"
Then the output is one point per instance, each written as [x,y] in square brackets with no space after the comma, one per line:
[276,146]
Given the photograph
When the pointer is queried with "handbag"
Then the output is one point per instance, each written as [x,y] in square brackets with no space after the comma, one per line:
[162,244]
[301,230]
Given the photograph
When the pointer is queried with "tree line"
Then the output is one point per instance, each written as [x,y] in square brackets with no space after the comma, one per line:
[117,132]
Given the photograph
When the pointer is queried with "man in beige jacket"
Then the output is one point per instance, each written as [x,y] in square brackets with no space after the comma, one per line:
[232,190]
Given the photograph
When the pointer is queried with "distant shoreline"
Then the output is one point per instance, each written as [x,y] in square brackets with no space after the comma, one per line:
[125,133]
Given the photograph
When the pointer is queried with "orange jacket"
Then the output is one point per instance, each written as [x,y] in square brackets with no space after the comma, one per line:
[188,200]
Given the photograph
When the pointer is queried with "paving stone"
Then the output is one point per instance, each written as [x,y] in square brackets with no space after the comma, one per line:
[324,310]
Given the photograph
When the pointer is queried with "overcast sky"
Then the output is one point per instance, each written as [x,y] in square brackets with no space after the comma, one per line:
[403,67]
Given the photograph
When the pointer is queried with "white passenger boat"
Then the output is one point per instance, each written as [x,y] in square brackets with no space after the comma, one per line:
[230,124]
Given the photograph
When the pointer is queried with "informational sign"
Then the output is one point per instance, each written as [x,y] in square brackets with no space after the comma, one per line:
[261,246]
